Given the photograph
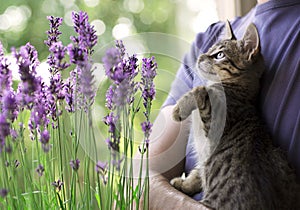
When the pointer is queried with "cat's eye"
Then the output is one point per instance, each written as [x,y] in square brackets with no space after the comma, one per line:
[219,55]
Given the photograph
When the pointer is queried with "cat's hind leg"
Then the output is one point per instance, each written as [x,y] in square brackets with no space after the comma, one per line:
[190,185]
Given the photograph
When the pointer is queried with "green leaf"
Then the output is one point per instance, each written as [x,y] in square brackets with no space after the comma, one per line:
[98,199]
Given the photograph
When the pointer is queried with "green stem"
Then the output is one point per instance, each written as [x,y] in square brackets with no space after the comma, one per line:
[61,159]
[61,203]
[99,192]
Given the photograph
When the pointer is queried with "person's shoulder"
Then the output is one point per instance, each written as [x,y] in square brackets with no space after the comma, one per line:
[204,40]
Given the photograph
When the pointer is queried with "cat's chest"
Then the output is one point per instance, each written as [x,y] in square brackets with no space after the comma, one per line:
[201,143]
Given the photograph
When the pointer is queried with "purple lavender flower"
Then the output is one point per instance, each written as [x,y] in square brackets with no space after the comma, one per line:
[38,117]
[44,139]
[3,192]
[57,56]
[84,42]
[56,61]
[27,61]
[113,144]
[69,94]
[53,33]
[9,105]
[14,134]
[29,55]
[148,74]
[4,125]
[5,75]
[58,184]
[45,136]
[77,55]
[4,131]
[146,128]
[86,80]
[75,164]
[87,37]
[111,59]
[101,167]
[109,97]
[78,89]
[113,123]
[120,46]
[122,94]
[149,68]
[111,120]
[56,86]
[121,72]
[79,52]
[40,170]
[117,69]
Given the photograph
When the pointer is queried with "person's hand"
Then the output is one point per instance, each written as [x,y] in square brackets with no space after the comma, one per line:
[164,196]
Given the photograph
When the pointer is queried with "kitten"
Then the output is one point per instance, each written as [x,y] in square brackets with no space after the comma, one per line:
[239,168]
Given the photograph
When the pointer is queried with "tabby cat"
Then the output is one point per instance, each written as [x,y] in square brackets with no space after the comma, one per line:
[241,168]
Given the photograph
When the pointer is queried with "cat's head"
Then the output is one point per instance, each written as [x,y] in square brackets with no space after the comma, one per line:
[232,60]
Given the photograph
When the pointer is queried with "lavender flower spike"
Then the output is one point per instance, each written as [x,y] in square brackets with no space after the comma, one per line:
[27,61]
[148,93]
[87,37]
[146,128]
[75,164]
[5,75]
[58,184]
[9,105]
[40,170]
[53,33]
[56,59]
[87,89]
[69,94]
[3,192]
[4,131]
[111,59]
[148,74]
[45,137]
[101,167]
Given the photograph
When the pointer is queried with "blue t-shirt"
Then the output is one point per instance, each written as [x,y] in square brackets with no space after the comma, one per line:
[278,23]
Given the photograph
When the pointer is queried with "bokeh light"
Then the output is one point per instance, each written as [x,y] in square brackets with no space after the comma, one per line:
[15,18]
[91,3]
[99,26]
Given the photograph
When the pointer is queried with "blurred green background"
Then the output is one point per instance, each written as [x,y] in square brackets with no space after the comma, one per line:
[23,21]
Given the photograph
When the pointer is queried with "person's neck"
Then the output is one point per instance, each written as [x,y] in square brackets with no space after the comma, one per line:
[261,1]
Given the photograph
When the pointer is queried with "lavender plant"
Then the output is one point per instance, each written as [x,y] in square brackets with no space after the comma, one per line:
[41,124]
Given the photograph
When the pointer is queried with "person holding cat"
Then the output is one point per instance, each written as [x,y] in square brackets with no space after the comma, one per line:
[171,152]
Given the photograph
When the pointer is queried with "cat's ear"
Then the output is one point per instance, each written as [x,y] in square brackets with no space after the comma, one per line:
[229,32]
[251,41]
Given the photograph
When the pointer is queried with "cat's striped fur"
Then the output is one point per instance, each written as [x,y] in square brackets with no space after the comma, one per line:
[242,169]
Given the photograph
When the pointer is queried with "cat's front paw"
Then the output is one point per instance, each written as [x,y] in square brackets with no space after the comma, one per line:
[177,183]
[176,114]
[179,114]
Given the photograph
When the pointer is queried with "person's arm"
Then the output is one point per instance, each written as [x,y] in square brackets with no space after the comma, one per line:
[166,159]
